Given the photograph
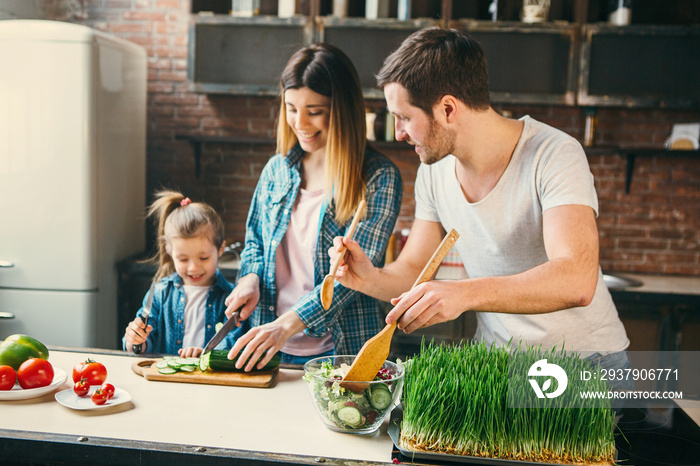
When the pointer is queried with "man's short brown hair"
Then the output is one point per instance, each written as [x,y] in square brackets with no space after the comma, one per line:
[435,62]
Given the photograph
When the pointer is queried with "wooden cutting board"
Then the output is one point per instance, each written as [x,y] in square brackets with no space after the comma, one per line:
[148,370]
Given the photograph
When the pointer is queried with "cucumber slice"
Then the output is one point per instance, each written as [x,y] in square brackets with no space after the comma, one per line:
[380,396]
[204,361]
[174,363]
[171,365]
[350,416]
[162,364]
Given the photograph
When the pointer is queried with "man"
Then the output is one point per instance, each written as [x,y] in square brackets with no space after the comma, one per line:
[519,193]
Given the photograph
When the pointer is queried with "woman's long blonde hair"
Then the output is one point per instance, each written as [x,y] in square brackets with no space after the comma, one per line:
[326,70]
[178,217]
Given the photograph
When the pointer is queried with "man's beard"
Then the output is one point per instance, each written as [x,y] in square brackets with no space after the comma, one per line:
[437,144]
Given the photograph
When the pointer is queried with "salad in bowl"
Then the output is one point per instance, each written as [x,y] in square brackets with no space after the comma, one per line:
[356,412]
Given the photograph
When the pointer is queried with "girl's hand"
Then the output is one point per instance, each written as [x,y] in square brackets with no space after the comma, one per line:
[190,352]
[246,294]
[136,333]
[269,337]
[355,267]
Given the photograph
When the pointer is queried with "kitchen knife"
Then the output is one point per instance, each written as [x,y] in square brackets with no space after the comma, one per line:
[223,331]
[144,316]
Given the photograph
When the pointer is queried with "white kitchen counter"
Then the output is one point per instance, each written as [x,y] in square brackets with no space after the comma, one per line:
[277,420]
[201,424]
[663,284]
[692,408]
[656,284]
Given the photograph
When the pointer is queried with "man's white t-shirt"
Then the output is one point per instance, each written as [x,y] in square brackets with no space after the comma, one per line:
[502,235]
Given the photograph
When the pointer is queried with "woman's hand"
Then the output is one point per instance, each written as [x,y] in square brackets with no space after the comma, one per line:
[136,333]
[246,294]
[355,267]
[190,352]
[269,337]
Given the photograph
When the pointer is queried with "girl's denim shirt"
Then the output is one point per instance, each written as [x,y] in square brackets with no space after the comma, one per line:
[168,314]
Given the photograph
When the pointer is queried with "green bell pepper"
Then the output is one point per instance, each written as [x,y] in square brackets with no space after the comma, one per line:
[18,348]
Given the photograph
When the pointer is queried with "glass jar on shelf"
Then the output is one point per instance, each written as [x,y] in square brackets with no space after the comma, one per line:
[245,7]
[375,9]
[404,10]
[620,12]
[535,11]
[340,8]
[285,8]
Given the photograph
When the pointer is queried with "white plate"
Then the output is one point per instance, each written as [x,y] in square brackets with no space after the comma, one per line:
[69,399]
[19,393]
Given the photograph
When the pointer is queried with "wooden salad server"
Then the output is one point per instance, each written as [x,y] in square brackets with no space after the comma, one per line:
[327,286]
[375,350]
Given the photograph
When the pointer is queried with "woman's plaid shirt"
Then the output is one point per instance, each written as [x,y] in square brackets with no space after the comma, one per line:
[353,317]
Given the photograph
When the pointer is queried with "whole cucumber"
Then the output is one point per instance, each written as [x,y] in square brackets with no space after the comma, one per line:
[217,360]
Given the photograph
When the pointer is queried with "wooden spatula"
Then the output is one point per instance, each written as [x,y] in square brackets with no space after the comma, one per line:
[327,286]
[375,350]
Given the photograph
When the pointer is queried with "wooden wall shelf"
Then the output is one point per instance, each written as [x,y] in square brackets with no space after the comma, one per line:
[197,142]
[630,153]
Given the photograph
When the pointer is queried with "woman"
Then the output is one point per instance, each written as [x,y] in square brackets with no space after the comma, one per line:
[307,195]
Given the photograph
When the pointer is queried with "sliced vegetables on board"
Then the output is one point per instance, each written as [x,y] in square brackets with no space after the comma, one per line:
[478,401]
[173,365]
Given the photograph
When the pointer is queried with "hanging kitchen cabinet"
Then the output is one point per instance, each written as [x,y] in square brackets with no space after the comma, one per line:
[229,55]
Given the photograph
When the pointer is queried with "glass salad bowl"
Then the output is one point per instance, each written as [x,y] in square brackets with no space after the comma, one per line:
[354,412]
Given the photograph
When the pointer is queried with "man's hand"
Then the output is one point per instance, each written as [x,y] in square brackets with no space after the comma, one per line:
[427,304]
[355,267]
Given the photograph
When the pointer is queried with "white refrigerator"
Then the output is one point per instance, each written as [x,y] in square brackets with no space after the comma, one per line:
[72,178]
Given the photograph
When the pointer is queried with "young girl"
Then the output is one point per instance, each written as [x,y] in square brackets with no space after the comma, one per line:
[188,298]
[307,195]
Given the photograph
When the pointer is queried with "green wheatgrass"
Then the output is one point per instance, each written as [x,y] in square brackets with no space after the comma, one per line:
[457,399]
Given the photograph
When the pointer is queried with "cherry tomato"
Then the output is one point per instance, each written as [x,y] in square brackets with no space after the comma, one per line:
[35,373]
[95,372]
[81,387]
[108,388]
[99,397]
[8,376]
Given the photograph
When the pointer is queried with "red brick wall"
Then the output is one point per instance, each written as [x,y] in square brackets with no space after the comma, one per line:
[655,228]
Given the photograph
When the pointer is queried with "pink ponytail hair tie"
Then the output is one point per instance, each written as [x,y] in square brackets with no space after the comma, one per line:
[185,201]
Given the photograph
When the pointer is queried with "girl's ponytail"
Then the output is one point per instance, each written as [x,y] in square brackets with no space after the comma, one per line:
[166,201]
